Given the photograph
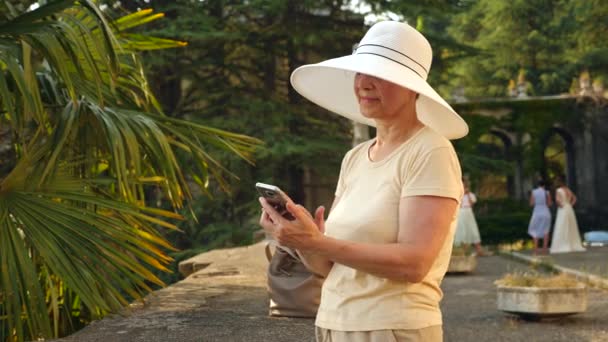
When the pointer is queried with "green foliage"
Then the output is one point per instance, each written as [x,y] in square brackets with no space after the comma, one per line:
[89,144]
[86,140]
[502,220]
[477,158]
[503,227]
[234,75]
[588,48]
[552,41]
[240,56]
[433,18]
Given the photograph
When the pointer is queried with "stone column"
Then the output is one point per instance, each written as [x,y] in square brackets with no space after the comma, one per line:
[360,133]
[586,163]
[522,184]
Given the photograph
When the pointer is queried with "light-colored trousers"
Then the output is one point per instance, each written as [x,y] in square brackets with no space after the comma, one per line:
[429,334]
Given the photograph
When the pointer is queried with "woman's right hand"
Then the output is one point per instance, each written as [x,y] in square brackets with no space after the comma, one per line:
[320,218]
[302,232]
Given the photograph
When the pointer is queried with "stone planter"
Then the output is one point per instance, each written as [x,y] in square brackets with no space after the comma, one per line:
[537,302]
[462,263]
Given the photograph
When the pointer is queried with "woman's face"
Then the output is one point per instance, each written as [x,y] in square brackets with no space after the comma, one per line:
[380,99]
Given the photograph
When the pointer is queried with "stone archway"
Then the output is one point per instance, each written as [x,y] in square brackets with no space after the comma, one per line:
[507,140]
[578,124]
[558,155]
[496,144]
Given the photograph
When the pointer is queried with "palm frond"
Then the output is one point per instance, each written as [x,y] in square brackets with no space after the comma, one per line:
[89,137]
[45,226]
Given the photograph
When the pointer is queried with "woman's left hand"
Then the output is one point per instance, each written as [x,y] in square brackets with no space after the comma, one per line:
[302,233]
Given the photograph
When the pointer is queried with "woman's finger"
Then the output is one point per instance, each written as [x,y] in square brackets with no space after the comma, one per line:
[299,212]
[320,218]
[266,222]
[304,210]
[270,211]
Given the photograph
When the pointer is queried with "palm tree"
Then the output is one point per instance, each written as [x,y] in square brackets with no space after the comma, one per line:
[81,140]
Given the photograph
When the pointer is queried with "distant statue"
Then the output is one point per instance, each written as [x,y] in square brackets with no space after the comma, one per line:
[523,86]
[522,90]
[598,88]
[512,89]
[458,94]
[584,82]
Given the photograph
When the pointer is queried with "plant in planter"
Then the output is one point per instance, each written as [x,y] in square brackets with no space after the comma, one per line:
[463,259]
[534,296]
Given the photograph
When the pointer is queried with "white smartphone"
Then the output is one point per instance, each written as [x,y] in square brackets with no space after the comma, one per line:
[275,197]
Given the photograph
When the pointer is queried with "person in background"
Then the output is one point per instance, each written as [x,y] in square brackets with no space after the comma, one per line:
[566,237]
[387,242]
[540,222]
[467,231]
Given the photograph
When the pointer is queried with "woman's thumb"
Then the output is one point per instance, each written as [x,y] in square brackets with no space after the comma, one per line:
[320,218]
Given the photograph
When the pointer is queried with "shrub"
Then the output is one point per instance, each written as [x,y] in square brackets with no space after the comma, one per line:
[502,220]
[503,227]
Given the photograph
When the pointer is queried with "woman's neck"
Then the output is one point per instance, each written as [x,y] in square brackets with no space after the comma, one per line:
[396,134]
[390,139]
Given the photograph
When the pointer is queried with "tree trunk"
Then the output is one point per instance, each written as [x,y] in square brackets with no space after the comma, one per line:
[295,172]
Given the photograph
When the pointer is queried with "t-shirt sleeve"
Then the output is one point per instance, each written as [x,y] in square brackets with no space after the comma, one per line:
[436,173]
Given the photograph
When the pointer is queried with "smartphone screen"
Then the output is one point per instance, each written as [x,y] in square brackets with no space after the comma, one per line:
[275,197]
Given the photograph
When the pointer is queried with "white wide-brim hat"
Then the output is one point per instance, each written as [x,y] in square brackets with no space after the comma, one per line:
[392,51]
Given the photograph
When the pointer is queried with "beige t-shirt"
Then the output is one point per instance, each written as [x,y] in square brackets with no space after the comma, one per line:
[368,211]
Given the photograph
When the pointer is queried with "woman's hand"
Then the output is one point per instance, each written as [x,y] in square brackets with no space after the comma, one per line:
[320,218]
[302,233]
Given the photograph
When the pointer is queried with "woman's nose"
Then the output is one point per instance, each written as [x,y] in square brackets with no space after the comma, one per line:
[364,81]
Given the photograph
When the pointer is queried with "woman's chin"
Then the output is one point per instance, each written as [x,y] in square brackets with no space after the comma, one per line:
[368,113]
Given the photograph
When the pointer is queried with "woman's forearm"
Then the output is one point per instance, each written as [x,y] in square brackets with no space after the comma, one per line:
[396,261]
[316,263]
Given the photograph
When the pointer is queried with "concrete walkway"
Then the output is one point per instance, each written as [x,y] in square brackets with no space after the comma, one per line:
[224,299]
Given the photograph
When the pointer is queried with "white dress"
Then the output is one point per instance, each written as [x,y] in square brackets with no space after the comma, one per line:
[540,223]
[467,231]
[566,237]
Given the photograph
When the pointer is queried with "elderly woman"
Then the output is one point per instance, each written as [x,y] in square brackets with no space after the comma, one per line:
[386,244]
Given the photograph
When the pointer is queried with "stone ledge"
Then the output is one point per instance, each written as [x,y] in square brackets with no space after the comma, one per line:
[249,259]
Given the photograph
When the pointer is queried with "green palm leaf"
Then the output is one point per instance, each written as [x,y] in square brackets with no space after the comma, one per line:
[81,237]
[76,238]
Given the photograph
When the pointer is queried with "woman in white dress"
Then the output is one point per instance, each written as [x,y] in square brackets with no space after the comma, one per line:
[566,237]
[467,232]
